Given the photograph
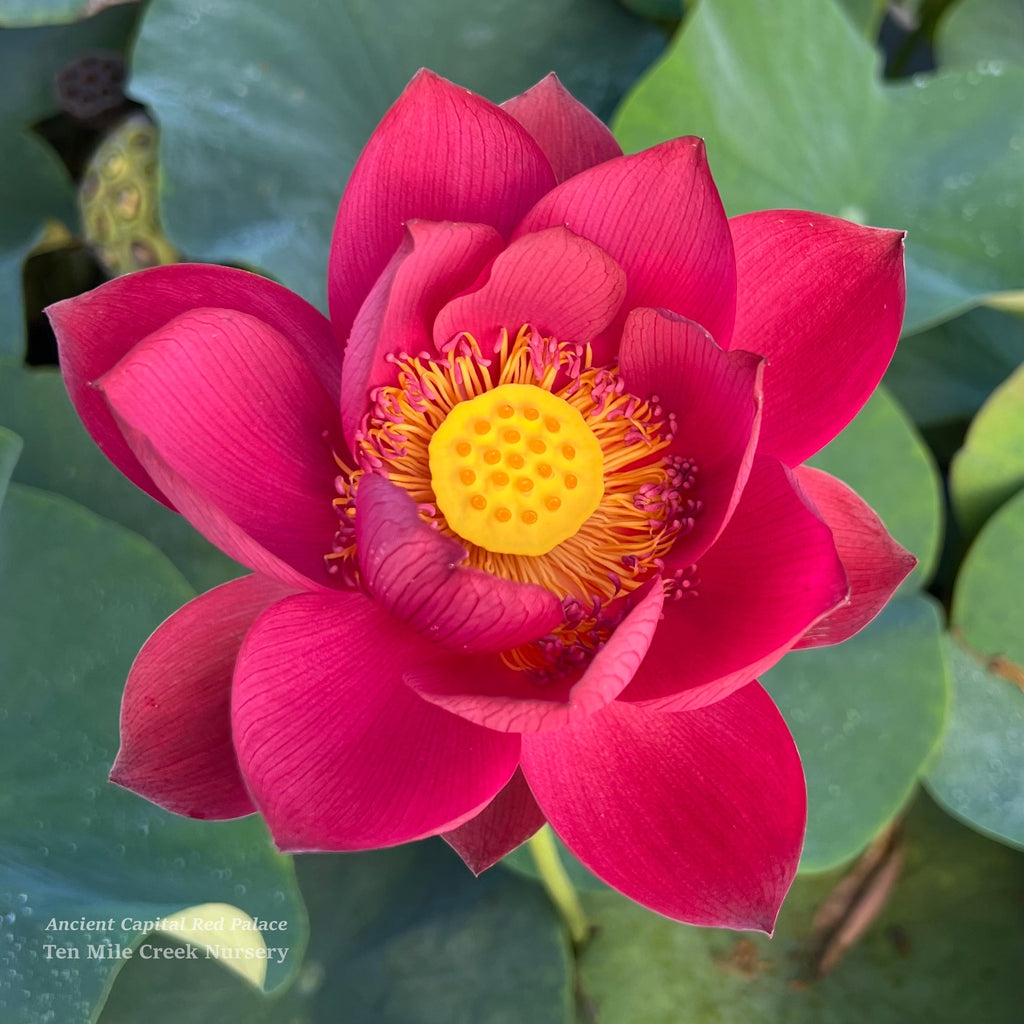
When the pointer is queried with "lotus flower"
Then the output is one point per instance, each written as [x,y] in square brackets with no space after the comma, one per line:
[526,518]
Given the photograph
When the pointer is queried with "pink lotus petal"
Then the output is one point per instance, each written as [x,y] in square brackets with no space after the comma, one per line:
[236,428]
[218,529]
[338,753]
[571,137]
[562,285]
[772,574]
[440,153]
[414,571]
[486,691]
[699,816]
[823,299]
[657,213]
[434,262]
[875,564]
[716,397]
[505,823]
[95,330]
[176,714]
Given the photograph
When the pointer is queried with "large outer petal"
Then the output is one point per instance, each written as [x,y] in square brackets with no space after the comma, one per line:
[433,263]
[440,153]
[96,330]
[176,745]
[772,574]
[338,753]
[239,433]
[486,691]
[699,816]
[505,823]
[559,283]
[875,564]
[716,398]
[571,137]
[823,299]
[415,573]
[657,213]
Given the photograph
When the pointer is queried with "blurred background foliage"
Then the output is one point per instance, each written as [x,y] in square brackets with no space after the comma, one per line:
[135,134]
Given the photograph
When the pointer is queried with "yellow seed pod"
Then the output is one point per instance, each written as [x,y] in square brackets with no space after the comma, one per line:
[516,470]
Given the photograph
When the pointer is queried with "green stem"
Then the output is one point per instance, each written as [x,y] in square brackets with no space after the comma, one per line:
[558,884]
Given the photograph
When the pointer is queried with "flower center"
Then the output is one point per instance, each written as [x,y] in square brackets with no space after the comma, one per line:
[453,429]
[516,470]
[544,466]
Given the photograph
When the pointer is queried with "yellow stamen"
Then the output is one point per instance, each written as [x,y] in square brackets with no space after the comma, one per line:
[616,546]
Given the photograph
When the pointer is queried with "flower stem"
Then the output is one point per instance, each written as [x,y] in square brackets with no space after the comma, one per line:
[558,884]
